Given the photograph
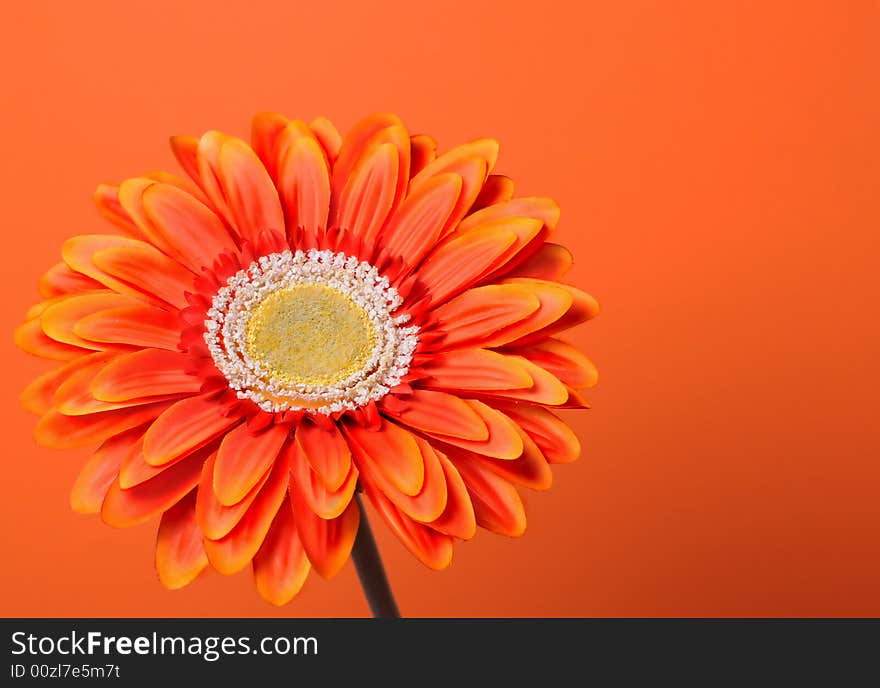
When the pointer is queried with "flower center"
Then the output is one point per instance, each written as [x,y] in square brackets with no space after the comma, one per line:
[311,334]
[309,331]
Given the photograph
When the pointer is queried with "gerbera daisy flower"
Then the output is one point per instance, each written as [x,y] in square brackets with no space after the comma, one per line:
[302,319]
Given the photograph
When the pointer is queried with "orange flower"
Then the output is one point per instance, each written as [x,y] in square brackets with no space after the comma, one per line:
[302,317]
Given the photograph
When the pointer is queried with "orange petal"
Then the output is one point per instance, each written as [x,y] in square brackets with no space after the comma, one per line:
[328,136]
[544,209]
[458,517]
[145,373]
[59,319]
[421,219]
[235,550]
[356,142]
[546,387]
[477,314]
[438,413]
[561,359]
[180,555]
[74,396]
[146,269]
[555,299]
[249,191]
[281,566]
[216,519]
[497,504]
[136,325]
[304,184]
[553,437]
[550,262]
[472,162]
[122,508]
[184,427]
[583,307]
[135,469]
[366,200]
[395,451]
[504,441]
[100,472]
[185,150]
[431,548]
[464,259]
[184,228]
[38,396]
[424,507]
[31,338]
[60,280]
[266,128]
[422,150]
[327,452]
[79,253]
[327,542]
[107,202]
[57,431]
[243,458]
[474,370]
[319,499]
[529,470]
[497,189]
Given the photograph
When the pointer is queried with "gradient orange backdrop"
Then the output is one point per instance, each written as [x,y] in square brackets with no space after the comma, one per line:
[717,167]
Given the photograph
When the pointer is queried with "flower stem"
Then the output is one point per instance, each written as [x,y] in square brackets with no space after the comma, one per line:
[371,572]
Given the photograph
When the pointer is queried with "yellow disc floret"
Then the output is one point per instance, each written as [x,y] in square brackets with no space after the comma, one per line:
[310,334]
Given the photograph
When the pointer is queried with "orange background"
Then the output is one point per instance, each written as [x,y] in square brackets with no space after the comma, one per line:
[717,167]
